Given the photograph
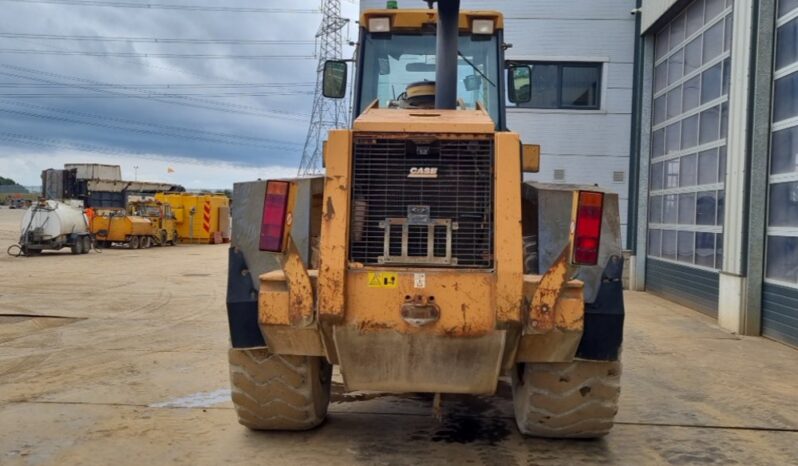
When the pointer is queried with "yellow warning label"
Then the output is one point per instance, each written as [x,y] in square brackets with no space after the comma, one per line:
[383,280]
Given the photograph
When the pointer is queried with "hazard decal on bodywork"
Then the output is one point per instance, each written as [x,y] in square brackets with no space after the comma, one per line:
[383,279]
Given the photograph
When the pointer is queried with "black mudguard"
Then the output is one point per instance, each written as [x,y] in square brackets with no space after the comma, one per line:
[242,304]
[603,334]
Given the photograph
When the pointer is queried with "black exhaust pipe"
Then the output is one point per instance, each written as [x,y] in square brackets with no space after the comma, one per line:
[446,54]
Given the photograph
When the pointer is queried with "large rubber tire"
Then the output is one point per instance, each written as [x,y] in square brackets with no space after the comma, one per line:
[566,400]
[77,246]
[134,242]
[86,240]
[279,392]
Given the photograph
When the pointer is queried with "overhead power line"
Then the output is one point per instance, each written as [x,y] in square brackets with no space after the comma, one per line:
[149,124]
[158,55]
[70,145]
[140,130]
[154,40]
[166,6]
[187,101]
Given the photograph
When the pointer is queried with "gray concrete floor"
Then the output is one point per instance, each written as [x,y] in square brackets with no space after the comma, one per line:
[119,357]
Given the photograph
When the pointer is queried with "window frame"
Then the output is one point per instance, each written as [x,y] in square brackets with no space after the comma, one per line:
[667,53]
[560,64]
[786,71]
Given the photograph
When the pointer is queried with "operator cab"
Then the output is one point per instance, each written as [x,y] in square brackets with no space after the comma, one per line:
[397,63]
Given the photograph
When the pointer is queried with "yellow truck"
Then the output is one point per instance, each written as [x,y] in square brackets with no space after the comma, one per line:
[144,224]
[422,261]
[115,226]
[162,218]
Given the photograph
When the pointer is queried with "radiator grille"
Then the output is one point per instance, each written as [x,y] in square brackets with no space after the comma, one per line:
[394,177]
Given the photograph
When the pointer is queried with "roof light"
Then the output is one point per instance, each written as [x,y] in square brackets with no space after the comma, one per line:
[482,26]
[275,207]
[379,24]
[587,233]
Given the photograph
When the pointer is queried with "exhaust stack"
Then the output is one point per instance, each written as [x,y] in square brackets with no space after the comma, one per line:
[446,54]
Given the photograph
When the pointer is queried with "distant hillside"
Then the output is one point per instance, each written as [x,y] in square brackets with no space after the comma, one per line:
[7,185]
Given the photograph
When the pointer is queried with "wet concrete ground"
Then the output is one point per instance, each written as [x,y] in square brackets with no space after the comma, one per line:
[119,357]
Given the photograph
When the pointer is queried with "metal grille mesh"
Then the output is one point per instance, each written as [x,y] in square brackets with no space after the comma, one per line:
[462,192]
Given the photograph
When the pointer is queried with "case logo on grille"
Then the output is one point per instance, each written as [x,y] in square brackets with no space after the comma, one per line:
[423,172]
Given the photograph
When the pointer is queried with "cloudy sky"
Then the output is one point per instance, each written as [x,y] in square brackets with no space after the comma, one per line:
[93,81]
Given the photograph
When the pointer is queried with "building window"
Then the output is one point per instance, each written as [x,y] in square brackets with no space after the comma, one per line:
[565,85]
[782,242]
[692,69]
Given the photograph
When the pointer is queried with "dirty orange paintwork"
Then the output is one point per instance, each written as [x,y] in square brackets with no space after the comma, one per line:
[509,243]
[465,300]
[300,289]
[334,226]
[277,305]
[415,18]
[273,299]
[567,312]
[424,121]
[550,308]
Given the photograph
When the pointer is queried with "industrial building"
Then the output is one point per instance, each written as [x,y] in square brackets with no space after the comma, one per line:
[717,118]
[689,111]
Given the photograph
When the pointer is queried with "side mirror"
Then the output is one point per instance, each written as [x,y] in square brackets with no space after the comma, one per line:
[334,79]
[472,83]
[519,85]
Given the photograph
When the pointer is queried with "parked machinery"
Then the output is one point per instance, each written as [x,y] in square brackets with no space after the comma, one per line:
[440,269]
[201,218]
[53,225]
[162,218]
[116,226]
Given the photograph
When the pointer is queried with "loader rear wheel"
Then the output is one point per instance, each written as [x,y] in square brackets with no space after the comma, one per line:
[279,392]
[566,400]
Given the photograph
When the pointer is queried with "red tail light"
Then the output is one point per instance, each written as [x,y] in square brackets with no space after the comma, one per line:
[587,234]
[275,207]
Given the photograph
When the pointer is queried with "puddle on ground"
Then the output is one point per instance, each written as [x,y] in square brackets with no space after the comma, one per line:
[196,400]
[466,418]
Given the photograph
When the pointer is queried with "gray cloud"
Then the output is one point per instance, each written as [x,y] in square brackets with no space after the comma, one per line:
[196,128]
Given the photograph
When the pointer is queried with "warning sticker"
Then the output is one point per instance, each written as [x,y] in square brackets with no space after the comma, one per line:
[383,280]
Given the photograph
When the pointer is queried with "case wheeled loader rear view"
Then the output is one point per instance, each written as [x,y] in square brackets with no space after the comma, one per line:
[422,261]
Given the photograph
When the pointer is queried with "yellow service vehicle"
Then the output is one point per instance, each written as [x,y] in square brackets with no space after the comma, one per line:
[115,226]
[421,261]
[162,218]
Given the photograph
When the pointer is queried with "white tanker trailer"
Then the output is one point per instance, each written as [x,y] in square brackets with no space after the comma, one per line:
[54,225]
